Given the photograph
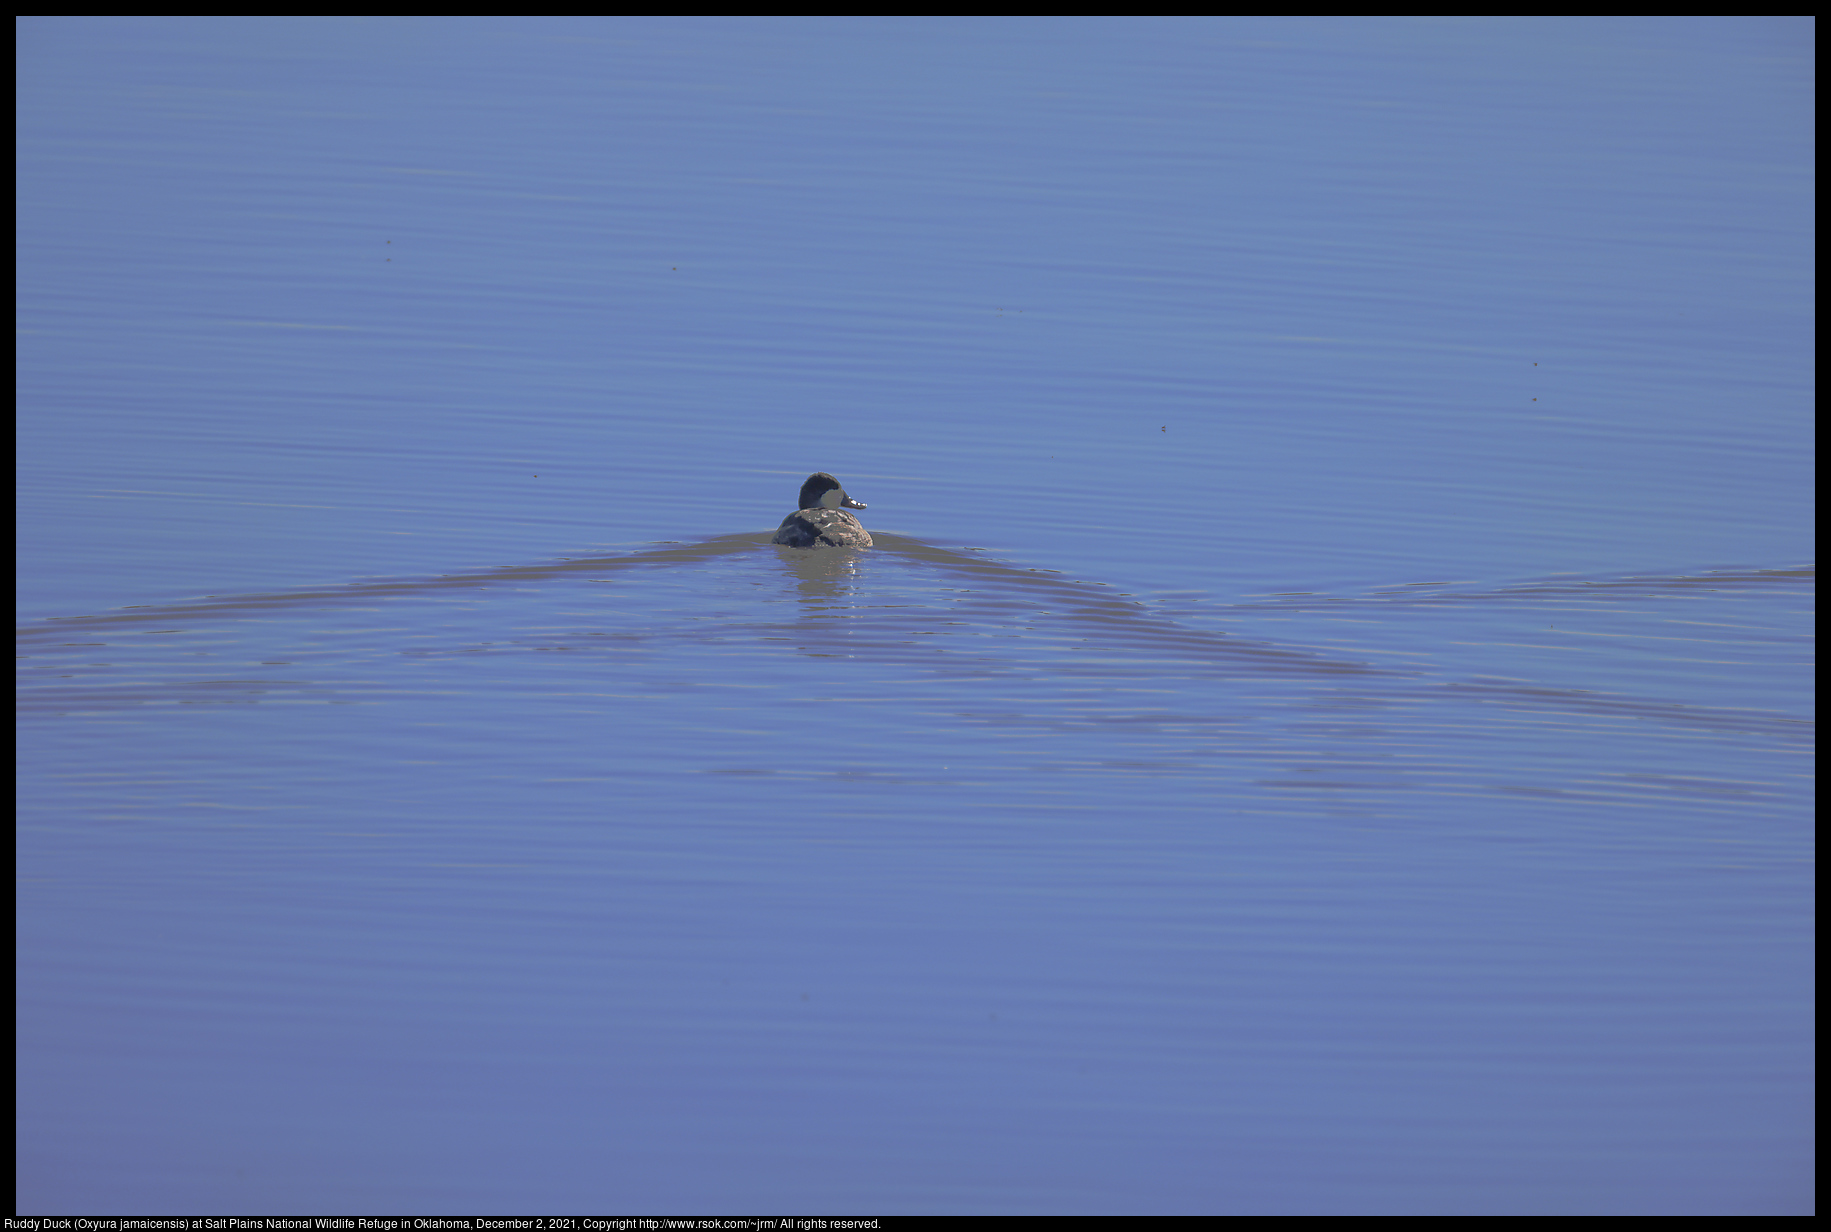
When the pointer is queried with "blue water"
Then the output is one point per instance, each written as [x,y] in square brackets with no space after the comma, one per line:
[1325,727]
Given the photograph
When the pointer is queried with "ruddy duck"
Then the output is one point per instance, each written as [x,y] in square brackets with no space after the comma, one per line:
[822,520]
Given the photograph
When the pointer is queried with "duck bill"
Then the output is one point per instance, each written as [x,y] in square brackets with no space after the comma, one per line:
[849,503]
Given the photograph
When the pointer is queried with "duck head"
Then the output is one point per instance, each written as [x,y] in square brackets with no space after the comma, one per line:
[822,491]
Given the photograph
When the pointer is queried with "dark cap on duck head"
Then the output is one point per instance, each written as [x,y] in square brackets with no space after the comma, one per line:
[823,491]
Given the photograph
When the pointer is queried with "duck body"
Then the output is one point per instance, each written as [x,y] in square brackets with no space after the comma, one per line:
[822,520]
[822,528]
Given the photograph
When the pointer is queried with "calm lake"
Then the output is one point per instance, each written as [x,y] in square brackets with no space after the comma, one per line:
[1325,726]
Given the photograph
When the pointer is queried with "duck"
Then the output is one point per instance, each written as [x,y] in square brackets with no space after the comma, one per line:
[822,520]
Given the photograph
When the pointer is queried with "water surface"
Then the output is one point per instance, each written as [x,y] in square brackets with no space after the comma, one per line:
[1325,727]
